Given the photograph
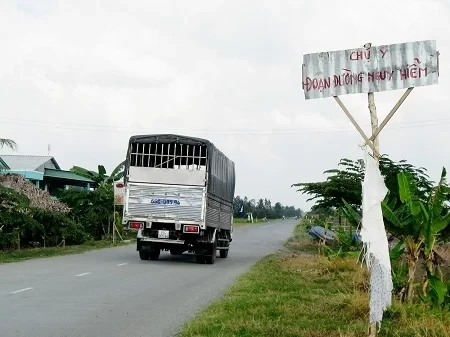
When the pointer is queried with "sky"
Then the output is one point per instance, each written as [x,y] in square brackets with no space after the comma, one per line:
[84,76]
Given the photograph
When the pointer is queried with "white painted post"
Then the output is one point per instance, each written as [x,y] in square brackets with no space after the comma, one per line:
[114,225]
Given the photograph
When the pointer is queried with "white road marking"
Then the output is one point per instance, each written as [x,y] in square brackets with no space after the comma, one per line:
[83,274]
[20,290]
[121,264]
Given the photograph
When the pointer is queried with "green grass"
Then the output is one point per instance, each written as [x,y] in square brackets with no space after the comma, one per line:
[238,222]
[299,293]
[34,253]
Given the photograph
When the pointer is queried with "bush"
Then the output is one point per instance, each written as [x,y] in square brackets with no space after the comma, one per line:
[34,226]
[92,209]
[15,221]
[57,227]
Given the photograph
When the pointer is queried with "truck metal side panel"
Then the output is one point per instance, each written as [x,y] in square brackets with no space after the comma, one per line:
[167,176]
[218,213]
[165,201]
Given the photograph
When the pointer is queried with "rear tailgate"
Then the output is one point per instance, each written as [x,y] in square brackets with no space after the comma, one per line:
[165,202]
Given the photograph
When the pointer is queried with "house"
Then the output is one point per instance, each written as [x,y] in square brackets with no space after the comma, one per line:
[44,172]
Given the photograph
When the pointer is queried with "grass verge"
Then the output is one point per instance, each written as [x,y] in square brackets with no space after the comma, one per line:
[299,293]
[239,222]
[34,253]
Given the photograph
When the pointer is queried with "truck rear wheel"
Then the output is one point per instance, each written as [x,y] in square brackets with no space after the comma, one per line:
[210,259]
[144,255]
[200,259]
[224,253]
[155,254]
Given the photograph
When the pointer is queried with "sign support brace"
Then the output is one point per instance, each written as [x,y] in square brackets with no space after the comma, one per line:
[373,141]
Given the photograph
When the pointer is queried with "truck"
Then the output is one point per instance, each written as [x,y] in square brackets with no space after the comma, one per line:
[179,194]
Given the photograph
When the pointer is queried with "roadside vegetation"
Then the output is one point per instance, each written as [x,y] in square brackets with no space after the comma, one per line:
[238,222]
[416,215]
[34,253]
[319,287]
[261,210]
[303,292]
[35,224]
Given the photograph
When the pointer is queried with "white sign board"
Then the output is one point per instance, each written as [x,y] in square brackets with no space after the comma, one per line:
[119,193]
[364,70]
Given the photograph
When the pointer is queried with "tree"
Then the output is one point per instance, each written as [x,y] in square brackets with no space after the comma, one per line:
[9,143]
[278,210]
[340,184]
[260,209]
[100,177]
[93,209]
[263,208]
[345,184]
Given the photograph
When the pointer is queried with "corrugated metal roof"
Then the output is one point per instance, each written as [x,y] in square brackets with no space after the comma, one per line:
[374,69]
[32,163]
[66,175]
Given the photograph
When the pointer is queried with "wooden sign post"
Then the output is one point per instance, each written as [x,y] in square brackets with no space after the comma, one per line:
[369,70]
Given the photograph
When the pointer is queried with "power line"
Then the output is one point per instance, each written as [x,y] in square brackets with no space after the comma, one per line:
[208,129]
[213,132]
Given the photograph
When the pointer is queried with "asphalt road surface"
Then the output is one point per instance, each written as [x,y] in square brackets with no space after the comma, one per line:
[112,293]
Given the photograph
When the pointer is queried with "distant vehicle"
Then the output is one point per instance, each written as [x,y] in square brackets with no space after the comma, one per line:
[179,196]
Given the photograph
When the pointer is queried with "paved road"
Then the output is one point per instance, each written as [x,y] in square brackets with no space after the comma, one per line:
[112,293]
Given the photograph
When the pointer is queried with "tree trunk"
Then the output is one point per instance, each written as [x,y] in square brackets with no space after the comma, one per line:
[412,263]
[433,268]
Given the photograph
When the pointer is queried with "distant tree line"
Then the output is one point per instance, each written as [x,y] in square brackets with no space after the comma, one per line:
[262,208]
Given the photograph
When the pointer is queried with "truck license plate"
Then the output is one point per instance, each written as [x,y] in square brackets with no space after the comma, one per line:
[163,234]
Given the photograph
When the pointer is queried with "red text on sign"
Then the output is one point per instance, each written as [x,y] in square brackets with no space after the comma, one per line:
[347,79]
[360,55]
[317,83]
[380,75]
[413,72]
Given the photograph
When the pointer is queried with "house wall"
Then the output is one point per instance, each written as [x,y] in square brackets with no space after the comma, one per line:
[30,175]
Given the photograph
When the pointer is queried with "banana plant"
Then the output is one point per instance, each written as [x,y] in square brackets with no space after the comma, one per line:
[416,222]
[100,177]
[438,294]
[437,218]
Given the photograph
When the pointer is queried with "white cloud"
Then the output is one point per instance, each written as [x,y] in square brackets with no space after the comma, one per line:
[84,76]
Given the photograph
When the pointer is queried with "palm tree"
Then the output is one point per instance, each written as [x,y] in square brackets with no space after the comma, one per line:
[9,143]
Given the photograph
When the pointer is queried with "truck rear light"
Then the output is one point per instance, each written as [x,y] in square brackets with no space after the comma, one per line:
[191,229]
[136,225]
